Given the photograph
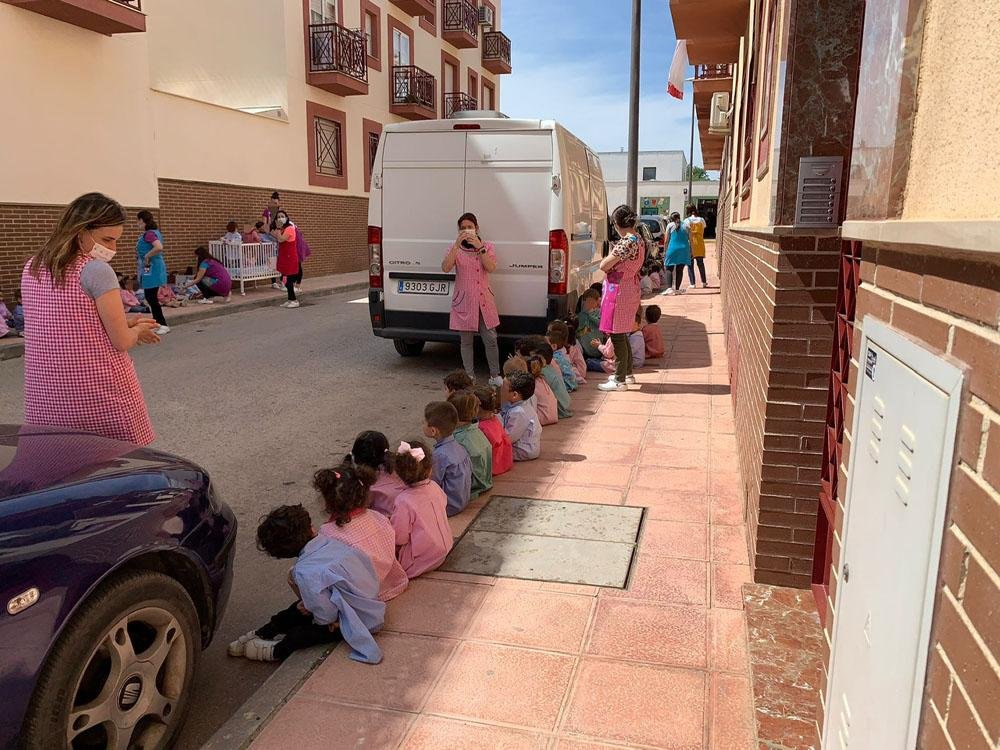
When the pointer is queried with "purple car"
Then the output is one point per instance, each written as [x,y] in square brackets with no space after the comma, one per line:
[115,568]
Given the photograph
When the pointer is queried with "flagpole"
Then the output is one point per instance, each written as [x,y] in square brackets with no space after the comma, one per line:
[691,153]
[632,175]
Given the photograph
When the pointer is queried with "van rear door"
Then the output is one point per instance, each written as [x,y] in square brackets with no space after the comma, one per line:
[508,185]
[423,179]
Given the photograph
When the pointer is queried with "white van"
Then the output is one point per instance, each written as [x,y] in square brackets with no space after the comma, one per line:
[538,193]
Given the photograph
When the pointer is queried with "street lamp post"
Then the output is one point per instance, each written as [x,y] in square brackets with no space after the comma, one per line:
[691,153]
[632,175]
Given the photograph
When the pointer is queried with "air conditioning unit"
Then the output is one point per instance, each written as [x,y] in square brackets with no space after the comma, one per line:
[486,17]
[720,114]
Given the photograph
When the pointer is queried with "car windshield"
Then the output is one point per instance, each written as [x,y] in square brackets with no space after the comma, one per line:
[653,224]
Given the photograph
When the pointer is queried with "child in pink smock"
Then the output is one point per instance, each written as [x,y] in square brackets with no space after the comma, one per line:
[345,498]
[371,449]
[546,404]
[420,518]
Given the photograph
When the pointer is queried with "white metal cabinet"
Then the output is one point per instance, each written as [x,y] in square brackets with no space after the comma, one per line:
[900,467]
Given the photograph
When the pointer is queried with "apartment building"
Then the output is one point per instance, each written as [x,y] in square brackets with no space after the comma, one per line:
[663,184]
[198,111]
[862,315]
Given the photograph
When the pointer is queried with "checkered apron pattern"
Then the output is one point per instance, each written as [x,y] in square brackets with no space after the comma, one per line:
[73,376]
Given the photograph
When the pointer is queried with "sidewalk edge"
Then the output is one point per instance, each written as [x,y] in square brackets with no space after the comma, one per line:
[203,312]
[243,726]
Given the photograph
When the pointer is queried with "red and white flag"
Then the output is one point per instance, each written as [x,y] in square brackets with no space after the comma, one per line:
[678,70]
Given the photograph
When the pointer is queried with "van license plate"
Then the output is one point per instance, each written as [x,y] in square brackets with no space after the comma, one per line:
[415,286]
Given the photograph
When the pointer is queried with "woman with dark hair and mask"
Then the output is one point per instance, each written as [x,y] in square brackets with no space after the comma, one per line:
[622,295]
[289,265]
[473,307]
[77,371]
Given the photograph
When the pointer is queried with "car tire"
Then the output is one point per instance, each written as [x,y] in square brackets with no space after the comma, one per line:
[89,673]
[408,347]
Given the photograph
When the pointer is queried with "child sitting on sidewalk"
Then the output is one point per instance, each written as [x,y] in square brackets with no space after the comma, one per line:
[452,465]
[492,428]
[554,378]
[371,449]
[517,363]
[420,518]
[557,335]
[520,421]
[470,437]
[651,334]
[636,342]
[336,589]
[588,323]
[345,499]
[546,404]
[458,380]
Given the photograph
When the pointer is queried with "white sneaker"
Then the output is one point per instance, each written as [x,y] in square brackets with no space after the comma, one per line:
[260,649]
[294,303]
[206,301]
[276,285]
[630,379]
[612,385]
[161,330]
[239,646]
[496,381]
[670,291]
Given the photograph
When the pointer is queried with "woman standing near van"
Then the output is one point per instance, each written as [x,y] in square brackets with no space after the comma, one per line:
[678,254]
[473,307]
[622,295]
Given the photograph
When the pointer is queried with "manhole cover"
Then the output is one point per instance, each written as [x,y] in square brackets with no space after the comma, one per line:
[547,540]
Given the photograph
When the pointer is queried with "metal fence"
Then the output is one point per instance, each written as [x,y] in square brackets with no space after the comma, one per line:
[334,48]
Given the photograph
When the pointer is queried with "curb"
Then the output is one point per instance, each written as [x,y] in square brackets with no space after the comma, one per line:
[242,727]
[203,312]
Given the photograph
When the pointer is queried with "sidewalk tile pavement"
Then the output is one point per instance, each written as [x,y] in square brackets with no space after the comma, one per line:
[489,662]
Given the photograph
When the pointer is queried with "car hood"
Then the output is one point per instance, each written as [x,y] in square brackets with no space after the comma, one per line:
[34,458]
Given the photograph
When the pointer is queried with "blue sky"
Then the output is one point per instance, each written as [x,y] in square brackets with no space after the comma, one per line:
[571,63]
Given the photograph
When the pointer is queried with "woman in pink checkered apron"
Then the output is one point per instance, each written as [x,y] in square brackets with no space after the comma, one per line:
[473,307]
[77,371]
[622,295]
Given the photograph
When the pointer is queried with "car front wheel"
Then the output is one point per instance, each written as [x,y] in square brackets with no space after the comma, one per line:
[120,674]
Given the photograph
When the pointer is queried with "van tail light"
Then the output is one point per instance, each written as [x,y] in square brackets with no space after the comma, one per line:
[558,261]
[375,257]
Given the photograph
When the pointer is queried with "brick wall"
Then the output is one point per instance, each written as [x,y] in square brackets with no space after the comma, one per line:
[778,306]
[24,228]
[192,213]
[952,306]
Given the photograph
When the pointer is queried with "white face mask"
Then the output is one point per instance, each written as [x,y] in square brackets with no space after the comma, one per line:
[99,252]
[281,221]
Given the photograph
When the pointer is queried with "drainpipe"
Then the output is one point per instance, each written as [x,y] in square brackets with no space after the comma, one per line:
[632,175]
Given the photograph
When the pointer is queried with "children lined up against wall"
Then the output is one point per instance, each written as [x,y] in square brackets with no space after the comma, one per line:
[388,511]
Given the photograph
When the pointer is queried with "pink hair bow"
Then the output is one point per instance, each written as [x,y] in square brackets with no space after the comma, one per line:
[417,453]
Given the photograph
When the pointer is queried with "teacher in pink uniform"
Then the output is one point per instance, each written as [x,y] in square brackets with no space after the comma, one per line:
[622,295]
[473,307]
[77,371]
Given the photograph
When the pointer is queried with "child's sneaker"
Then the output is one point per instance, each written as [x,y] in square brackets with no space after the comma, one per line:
[496,381]
[206,301]
[669,292]
[276,285]
[260,649]
[613,385]
[239,646]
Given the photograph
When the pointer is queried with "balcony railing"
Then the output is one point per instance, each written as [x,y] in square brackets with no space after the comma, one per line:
[461,16]
[413,85]
[133,4]
[458,102]
[335,49]
[496,52]
[707,72]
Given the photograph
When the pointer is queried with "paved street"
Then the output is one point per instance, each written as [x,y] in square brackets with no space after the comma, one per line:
[261,399]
